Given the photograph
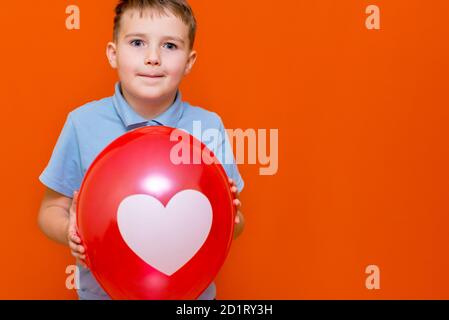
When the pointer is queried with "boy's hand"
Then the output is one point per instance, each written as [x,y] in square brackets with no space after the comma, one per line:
[77,250]
[239,221]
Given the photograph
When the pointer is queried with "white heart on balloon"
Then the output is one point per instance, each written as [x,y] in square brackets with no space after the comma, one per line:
[166,238]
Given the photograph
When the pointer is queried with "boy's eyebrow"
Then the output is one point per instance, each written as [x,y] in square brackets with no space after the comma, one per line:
[174,38]
[143,35]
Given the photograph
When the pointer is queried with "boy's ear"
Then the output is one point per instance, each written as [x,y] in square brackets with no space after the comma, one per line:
[111,53]
[190,62]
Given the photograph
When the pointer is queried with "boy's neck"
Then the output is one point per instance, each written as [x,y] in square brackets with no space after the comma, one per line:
[149,109]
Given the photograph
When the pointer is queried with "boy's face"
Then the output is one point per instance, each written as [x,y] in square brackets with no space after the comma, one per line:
[151,55]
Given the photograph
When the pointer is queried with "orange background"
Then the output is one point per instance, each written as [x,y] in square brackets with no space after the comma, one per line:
[363,126]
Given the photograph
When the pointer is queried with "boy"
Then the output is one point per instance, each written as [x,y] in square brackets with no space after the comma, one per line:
[152,51]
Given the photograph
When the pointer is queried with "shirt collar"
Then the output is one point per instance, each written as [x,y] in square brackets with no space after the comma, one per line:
[131,119]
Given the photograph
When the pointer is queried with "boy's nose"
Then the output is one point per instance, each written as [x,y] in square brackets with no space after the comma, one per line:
[152,61]
[152,58]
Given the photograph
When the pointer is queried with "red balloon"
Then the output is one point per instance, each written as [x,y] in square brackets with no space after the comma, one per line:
[154,228]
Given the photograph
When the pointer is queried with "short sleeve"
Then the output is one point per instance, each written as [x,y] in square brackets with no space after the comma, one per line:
[226,156]
[63,173]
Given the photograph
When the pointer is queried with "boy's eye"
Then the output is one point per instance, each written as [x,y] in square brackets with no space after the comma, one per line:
[136,43]
[170,46]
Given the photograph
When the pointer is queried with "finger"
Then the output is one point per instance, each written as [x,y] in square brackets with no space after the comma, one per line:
[75,238]
[75,254]
[74,204]
[72,246]
[234,189]
[237,219]
[77,248]
[237,203]
[75,197]
[236,194]
[231,181]
[81,249]
[79,256]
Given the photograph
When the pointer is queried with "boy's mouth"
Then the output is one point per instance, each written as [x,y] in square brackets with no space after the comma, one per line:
[150,75]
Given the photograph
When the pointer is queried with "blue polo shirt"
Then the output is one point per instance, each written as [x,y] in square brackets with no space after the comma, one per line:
[91,127]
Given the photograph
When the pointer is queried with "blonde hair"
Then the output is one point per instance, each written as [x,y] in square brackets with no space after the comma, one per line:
[179,8]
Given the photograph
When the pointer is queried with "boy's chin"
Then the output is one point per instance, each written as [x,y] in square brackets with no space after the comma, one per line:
[150,93]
